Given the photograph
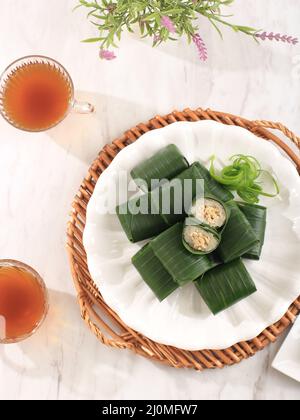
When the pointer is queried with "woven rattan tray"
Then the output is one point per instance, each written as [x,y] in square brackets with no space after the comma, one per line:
[101,319]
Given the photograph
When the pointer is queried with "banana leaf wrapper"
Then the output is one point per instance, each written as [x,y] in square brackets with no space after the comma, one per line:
[162,207]
[238,237]
[179,194]
[139,227]
[257,217]
[153,273]
[165,164]
[225,285]
[183,266]
[213,187]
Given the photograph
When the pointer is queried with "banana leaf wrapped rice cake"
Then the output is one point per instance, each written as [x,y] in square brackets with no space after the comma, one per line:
[199,234]
[225,285]
[175,197]
[213,187]
[183,266]
[198,238]
[146,216]
[238,237]
[257,217]
[167,204]
[138,225]
[167,163]
[154,273]
[210,211]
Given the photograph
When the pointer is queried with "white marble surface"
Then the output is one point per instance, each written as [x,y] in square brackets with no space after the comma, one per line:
[40,175]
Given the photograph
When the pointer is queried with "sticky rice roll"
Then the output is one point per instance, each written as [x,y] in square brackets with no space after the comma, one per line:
[198,238]
[210,212]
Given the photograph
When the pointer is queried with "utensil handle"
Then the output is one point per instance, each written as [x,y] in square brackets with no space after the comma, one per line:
[83,107]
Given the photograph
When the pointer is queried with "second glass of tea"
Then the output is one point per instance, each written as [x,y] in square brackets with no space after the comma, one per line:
[37,93]
[23,301]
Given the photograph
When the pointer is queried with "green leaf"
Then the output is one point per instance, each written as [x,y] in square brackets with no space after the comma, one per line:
[238,237]
[225,285]
[257,217]
[92,40]
[112,17]
[165,164]
[183,266]
[212,186]
[153,273]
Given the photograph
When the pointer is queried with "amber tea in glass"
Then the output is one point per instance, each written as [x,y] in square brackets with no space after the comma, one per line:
[37,93]
[23,301]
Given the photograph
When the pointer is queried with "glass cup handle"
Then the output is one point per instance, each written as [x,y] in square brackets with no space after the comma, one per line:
[83,107]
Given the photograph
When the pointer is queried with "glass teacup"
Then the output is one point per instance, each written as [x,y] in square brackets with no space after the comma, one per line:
[37,93]
[23,301]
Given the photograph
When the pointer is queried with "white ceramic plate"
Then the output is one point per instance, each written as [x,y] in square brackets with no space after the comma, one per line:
[287,360]
[183,320]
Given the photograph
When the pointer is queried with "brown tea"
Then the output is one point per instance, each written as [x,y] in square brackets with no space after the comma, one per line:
[22,303]
[36,96]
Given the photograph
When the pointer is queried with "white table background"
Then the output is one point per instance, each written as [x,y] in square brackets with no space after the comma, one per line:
[40,175]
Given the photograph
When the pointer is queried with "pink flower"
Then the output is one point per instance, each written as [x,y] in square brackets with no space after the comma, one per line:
[167,23]
[201,47]
[277,37]
[107,55]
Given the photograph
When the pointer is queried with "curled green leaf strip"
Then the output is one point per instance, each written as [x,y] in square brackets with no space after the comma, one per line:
[244,175]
